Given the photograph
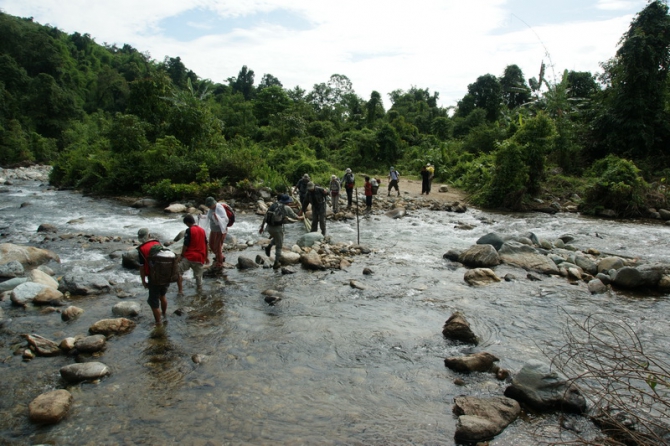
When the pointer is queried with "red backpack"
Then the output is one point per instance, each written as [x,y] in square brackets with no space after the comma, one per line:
[230,213]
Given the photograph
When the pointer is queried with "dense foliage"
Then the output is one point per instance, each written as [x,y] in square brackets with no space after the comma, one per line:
[112,120]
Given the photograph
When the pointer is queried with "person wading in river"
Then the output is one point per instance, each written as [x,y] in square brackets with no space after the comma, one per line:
[275,228]
[316,196]
[349,182]
[157,299]
[193,254]
[218,229]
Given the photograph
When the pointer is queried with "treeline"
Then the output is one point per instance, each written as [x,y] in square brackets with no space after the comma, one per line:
[112,120]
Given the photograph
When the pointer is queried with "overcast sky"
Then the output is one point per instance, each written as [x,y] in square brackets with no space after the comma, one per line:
[442,45]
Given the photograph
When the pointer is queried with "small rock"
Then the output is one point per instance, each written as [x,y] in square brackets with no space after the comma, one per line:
[50,407]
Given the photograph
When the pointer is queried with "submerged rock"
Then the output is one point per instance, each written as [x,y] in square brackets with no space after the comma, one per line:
[85,371]
[50,407]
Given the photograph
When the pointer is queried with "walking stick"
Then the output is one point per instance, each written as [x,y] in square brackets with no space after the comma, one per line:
[358,229]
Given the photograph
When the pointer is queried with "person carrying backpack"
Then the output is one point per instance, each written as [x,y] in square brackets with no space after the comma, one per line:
[301,187]
[218,229]
[157,299]
[193,254]
[349,182]
[335,193]
[394,177]
[274,219]
[316,196]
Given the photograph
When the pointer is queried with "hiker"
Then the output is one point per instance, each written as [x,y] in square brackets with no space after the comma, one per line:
[335,193]
[431,169]
[193,254]
[218,229]
[157,299]
[394,177]
[275,219]
[316,196]
[301,187]
[425,180]
[349,183]
[368,194]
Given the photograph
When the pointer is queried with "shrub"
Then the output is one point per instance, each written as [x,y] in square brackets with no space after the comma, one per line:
[618,186]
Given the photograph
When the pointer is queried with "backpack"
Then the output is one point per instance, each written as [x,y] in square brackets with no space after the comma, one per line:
[230,213]
[275,214]
[163,266]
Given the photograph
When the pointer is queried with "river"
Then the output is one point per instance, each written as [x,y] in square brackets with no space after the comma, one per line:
[328,364]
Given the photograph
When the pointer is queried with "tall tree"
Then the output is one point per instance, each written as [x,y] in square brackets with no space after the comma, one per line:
[243,83]
[515,92]
[485,93]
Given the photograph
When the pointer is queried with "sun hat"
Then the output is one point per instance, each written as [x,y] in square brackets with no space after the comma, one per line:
[310,186]
[210,201]
[348,170]
[428,165]
[333,177]
[143,235]
[284,199]
[392,168]
[306,176]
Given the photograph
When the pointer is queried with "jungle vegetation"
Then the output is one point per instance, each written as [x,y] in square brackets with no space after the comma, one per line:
[113,121]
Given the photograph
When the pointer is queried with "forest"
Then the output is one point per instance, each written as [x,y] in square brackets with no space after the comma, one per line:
[113,121]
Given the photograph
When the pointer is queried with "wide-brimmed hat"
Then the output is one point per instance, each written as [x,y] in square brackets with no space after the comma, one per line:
[392,168]
[210,201]
[310,186]
[333,177]
[348,170]
[306,176]
[143,235]
[428,165]
[284,199]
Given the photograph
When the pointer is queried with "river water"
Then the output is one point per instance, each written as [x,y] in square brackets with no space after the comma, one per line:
[328,364]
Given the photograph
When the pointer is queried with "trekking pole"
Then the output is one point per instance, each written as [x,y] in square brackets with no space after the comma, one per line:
[358,229]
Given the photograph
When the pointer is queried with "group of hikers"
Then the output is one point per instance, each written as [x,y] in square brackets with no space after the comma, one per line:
[194,253]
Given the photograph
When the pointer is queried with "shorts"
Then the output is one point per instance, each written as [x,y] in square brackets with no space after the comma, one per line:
[155,293]
[186,264]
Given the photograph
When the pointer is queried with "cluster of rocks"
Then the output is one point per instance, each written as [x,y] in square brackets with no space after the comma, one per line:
[29,282]
[312,250]
[558,257]
[535,386]
[31,173]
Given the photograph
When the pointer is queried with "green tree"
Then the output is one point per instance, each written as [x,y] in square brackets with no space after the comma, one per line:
[243,83]
[484,93]
[515,92]
[270,101]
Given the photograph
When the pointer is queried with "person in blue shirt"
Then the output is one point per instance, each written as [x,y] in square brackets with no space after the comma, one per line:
[394,177]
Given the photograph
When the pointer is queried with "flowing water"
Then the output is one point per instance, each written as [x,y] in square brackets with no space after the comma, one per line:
[328,364]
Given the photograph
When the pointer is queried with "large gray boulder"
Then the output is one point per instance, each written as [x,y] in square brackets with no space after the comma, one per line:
[39,276]
[83,286]
[25,293]
[26,255]
[481,419]
[50,407]
[11,269]
[130,259]
[644,276]
[308,240]
[545,390]
[480,256]
[396,213]
[608,263]
[126,309]
[10,284]
[493,238]
[246,263]
[85,371]
[458,328]
[526,257]
[91,344]
[311,261]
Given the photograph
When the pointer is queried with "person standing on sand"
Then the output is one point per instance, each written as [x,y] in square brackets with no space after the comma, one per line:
[425,180]
[394,177]
[157,299]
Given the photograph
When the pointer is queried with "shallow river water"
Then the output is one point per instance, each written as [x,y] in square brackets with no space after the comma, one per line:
[328,364]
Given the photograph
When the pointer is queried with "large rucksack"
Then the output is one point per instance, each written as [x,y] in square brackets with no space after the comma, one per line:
[275,214]
[230,213]
[163,266]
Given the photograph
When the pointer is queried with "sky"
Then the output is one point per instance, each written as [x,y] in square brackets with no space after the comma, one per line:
[439,45]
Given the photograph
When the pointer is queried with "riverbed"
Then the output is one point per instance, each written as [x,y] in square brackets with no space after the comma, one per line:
[329,363]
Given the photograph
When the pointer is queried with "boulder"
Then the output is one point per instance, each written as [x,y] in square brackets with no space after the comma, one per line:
[526,257]
[126,309]
[43,346]
[246,263]
[39,276]
[312,261]
[84,371]
[609,263]
[70,313]
[396,213]
[50,407]
[25,293]
[49,296]
[176,208]
[26,255]
[458,328]
[480,256]
[11,269]
[545,390]
[452,255]
[493,238]
[91,344]
[10,284]
[481,419]
[130,259]
[112,326]
[83,286]
[309,239]
[480,277]
[596,286]
[47,227]
[476,362]
[443,188]
[289,257]
[586,264]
